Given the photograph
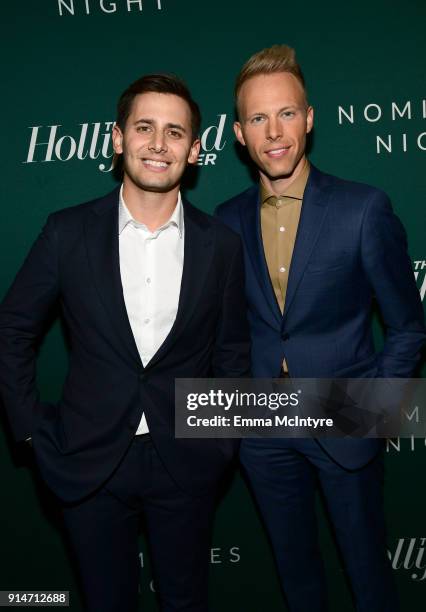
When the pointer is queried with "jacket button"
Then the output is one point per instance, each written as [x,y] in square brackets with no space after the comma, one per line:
[285,336]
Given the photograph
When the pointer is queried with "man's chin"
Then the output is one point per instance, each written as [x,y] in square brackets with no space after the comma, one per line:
[157,187]
[277,174]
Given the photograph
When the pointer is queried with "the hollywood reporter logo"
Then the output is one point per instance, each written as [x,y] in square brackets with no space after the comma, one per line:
[93,141]
[409,555]
[420,276]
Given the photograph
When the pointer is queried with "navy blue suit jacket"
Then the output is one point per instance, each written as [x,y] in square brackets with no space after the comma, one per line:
[350,251]
[75,262]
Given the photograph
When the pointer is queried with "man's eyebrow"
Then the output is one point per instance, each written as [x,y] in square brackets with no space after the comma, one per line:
[143,120]
[175,126]
[283,108]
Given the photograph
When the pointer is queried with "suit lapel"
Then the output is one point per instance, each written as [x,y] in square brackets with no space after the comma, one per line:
[104,260]
[314,209]
[250,223]
[198,253]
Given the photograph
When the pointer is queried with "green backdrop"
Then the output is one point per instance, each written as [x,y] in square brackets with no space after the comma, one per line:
[65,63]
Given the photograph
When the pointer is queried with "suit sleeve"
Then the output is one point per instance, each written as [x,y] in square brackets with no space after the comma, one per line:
[388,266]
[231,357]
[23,314]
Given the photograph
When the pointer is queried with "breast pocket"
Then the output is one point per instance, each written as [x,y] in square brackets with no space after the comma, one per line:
[330,262]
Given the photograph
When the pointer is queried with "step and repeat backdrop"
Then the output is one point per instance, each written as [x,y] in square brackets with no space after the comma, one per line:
[65,64]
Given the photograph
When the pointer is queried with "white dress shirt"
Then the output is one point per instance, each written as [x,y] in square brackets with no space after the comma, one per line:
[151,265]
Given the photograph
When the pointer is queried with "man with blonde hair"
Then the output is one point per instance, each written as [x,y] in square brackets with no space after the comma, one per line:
[318,249]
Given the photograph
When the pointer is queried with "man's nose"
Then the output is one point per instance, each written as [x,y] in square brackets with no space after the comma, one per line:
[158,142]
[274,128]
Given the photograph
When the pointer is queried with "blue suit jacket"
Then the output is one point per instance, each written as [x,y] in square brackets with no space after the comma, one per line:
[350,251]
[75,262]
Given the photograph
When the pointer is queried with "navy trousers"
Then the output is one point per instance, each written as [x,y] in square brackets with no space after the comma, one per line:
[103,532]
[284,475]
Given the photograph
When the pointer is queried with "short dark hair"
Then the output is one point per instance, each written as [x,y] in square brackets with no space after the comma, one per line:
[158,83]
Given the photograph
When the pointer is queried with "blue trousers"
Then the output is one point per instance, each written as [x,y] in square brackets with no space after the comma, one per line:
[284,475]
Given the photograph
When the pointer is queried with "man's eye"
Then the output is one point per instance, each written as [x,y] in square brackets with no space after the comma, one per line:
[257,119]
[175,134]
[143,128]
[288,114]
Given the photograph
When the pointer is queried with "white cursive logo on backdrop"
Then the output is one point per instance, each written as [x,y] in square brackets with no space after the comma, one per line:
[420,275]
[409,555]
[93,141]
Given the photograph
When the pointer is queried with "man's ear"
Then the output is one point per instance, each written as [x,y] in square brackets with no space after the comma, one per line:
[239,133]
[117,140]
[194,151]
[309,119]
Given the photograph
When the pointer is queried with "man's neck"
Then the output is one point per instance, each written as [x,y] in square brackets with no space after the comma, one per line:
[151,208]
[279,185]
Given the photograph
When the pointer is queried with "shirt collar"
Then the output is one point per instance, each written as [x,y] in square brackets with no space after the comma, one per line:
[124,216]
[295,190]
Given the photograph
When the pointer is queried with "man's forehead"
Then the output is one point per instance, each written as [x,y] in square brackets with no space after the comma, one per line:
[281,89]
[156,103]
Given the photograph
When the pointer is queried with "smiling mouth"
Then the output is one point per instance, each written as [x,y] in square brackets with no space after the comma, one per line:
[155,163]
[279,152]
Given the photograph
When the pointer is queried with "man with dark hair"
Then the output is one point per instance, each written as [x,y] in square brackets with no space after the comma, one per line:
[318,251]
[158,83]
[150,289]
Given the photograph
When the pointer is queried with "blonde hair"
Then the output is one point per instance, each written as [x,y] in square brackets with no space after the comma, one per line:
[278,58]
